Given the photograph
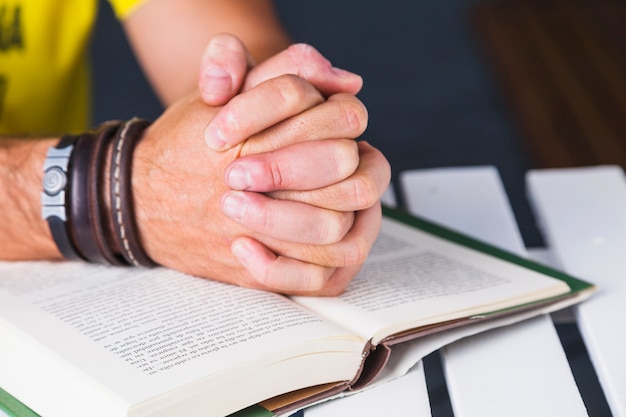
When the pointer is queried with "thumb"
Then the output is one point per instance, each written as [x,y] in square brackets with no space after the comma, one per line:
[306,62]
[224,66]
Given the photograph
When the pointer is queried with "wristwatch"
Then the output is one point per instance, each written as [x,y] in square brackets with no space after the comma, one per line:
[54,207]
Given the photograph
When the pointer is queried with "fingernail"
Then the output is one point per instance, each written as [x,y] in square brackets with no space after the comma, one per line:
[241,252]
[214,138]
[343,73]
[216,81]
[233,206]
[239,178]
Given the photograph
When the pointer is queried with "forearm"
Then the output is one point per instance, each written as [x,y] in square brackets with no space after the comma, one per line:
[23,233]
[169,37]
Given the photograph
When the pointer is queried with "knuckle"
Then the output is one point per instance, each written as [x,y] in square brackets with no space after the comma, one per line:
[306,58]
[356,252]
[354,115]
[364,192]
[290,90]
[275,175]
[299,51]
[334,229]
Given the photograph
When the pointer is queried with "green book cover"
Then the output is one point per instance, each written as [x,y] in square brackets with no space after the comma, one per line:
[11,406]
[14,408]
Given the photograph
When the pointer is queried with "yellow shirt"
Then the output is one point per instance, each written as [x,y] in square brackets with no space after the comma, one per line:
[44,68]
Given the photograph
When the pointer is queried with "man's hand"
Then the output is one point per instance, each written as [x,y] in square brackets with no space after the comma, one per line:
[227,69]
[190,218]
[305,191]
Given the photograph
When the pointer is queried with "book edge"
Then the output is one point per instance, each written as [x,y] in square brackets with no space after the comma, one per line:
[575,284]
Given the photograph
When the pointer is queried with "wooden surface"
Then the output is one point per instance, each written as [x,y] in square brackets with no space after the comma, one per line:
[562,67]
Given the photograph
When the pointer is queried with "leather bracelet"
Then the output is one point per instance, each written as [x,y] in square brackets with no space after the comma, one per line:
[98,210]
[56,190]
[80,220]
[126,234]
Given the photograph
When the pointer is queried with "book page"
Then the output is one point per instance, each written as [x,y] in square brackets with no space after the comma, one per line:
[143,331]
[413,278]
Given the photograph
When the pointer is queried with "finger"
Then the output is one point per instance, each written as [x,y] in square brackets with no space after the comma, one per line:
[277,273]
[306,62]
[337,283]
[257,109]
[301,277]
[359,191]
[286,220]
[224,66]
[352,250]
[303,166]
[341,116]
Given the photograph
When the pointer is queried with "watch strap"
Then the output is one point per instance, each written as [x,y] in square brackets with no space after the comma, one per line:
[54,197]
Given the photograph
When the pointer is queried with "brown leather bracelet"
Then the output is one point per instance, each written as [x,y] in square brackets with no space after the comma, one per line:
[79,222]
[98,210]
[126,233]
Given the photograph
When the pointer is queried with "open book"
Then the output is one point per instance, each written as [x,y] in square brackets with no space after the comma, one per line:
[87,340]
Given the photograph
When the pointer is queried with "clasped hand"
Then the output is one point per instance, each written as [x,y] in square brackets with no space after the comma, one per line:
[257,180]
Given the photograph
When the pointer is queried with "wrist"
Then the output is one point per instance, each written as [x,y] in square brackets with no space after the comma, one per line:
[23,233]
[87,199]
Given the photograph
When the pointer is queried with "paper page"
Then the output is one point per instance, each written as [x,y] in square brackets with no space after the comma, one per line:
[138,332]
[413,278]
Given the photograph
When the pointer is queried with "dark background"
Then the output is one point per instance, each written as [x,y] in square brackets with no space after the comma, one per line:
[431,95]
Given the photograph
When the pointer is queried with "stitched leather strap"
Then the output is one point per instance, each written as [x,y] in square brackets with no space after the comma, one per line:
[126,234]
[97,191]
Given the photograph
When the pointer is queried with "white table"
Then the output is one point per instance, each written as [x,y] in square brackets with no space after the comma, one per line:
[522,370]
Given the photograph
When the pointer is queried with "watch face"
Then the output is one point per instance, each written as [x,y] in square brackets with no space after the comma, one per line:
[54,180]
